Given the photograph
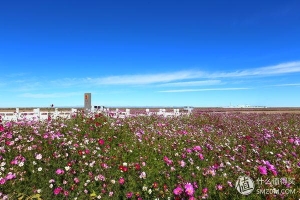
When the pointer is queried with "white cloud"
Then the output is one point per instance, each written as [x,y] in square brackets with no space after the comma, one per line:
[288,84]
[167,78]
[202,90]
[283,68]
[146,78]
[174,79]
[191,83]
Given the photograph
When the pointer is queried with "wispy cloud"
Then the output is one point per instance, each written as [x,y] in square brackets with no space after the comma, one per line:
[288,84]
[191,83]
[146,78]
[49,95]
[203,90]
[283,68]
[138,79]
[171,79]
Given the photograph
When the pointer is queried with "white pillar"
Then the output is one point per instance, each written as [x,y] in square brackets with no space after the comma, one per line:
[73,110]
[56,112]
[17,112]
[36,111]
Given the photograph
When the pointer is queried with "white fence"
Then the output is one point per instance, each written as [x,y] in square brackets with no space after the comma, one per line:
[43,115]
[36,114]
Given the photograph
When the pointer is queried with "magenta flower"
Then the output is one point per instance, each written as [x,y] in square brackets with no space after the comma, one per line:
[201,156]
[60,171]
[10,176]
[1,128]
[66,193]
[189,151]
[189,189]
[76,180]
[274,172]
[2,181]
[262,170]
[219,187]
[182,163]
[197,148]
[57,190]
[168,161]
[291,140]
[129,195]
[178,190]
[101,141]
[269,165]
[121,180]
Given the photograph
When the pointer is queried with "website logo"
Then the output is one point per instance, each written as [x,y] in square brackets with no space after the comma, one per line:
[244,185]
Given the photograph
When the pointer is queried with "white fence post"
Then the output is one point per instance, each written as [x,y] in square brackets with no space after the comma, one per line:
[73,110]
[127,112]
[56,112]
[17,113]
[36,112]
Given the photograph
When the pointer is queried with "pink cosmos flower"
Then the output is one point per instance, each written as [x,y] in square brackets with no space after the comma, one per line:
[10,176]
[60,171]
[189,151]
[201,156]
[291,140]
[129,195]
[101,141]
[121,180]
[197,148]
[14,162]
[182,163]
[2,181]
[262,170]
[168,161]
[1,128]
[57,190]
[178,190]
[104,165]
[76,180]
[269,165]
[66,193]
[189,189]
[143,175]
[219,187]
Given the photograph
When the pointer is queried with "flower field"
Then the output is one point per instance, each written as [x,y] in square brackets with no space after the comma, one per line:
[197,156]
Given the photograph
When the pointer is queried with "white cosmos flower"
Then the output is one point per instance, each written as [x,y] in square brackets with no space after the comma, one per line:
[39,156]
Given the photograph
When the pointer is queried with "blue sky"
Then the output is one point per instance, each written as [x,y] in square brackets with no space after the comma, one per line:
[150,53]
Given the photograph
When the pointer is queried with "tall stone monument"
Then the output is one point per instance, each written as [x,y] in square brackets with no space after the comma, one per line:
[87,102]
